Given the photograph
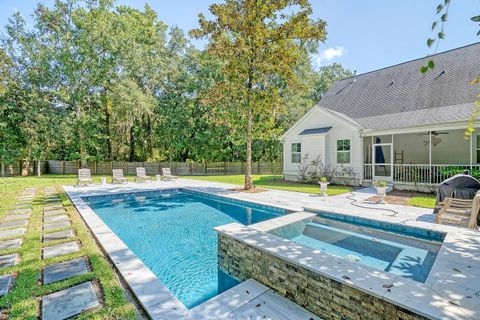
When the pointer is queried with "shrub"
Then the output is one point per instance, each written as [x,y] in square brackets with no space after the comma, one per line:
[313,171]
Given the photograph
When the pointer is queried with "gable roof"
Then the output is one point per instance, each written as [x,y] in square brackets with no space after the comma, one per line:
[400,96]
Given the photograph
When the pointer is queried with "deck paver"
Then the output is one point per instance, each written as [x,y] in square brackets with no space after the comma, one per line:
[60,249]
[64,270]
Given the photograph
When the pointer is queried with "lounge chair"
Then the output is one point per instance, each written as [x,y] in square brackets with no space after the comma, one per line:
[84,177]
[117,176]
[460,211]
[167,174]
[141,175]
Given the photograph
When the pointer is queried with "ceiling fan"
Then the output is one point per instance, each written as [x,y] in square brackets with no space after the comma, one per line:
[434,133]
[435,139]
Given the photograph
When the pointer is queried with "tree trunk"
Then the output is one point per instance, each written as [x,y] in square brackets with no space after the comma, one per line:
[39,168]
[248,162]
[107,127]
[132,143]
[3,169]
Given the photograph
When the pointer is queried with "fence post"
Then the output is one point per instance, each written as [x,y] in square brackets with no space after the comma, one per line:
[111,166]
[205,167]
[259,167]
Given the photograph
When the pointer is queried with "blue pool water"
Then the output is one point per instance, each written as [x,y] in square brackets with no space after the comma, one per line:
[172,233]
[409,253]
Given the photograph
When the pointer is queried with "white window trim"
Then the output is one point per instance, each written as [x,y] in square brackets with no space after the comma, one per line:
[291,152]
[343,151]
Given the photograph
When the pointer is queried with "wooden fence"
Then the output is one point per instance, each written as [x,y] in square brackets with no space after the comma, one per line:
[178,168]
[23,168]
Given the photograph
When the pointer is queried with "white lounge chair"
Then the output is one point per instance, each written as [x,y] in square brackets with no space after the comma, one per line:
[142,176]
[167,174]
[117,176]
[460,211]
[84,177]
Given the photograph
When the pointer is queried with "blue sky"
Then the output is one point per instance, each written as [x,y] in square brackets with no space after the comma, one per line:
[362,35]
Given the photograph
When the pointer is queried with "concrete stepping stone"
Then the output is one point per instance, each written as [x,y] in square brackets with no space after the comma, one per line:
[53,207]
[22,205]
[10,244]
[5,283]
[11,233]
[14,223]
[53,212]
[60,249]
[54,198]
[58,225]
[21,211]
[9,260]
[57,218]
[69,302]
[52,201]
[59,235]
[64,270]
[10,217]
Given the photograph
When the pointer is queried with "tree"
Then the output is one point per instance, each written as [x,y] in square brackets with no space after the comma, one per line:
[259,42]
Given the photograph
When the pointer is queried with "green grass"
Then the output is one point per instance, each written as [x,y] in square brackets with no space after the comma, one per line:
[23,301]
[273,182]
[426,201]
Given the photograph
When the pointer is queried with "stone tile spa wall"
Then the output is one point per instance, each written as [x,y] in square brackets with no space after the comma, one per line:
[321,295]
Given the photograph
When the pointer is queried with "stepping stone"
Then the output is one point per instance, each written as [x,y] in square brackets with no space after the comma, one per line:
[10,217]
[5,282]
[8,260]
[10,244]
[21,211]
[53,212]
[59,235]
[53,226]
[53,207]
[14,223]
[60,249]
[11,233]
[52,198]
[53,201]
[69,302]
[53,219]
[64,270]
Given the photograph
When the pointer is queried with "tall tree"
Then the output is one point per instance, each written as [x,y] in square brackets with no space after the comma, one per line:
[259,41]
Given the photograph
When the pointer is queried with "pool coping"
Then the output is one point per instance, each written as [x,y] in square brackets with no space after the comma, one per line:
[156,299]
[427,299]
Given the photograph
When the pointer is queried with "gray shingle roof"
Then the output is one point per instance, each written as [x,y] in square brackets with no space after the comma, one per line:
[315,130]
[400,96]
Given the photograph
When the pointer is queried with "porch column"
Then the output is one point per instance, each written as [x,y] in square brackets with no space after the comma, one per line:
[471,153]
[430,156]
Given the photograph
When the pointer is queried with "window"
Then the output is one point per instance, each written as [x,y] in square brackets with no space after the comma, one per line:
[343,151]
[296,152]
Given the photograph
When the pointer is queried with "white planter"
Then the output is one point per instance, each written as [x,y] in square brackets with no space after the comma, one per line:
[323,188]
[103,180]
[381,192]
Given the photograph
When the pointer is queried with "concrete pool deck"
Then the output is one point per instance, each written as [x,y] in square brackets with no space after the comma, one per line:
[452,290]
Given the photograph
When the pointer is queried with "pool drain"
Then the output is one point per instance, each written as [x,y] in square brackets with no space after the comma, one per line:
[353,257]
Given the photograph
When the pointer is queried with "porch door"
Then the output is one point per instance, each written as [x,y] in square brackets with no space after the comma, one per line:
[382,161]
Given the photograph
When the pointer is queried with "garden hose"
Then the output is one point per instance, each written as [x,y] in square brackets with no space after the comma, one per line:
[354,203]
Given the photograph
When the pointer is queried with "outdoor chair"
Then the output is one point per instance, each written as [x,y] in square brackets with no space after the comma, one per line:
[167,174]
[117,176]
[460,211]
[141,175]
[84,177]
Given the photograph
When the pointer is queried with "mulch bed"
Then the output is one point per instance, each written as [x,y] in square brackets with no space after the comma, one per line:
[398,197]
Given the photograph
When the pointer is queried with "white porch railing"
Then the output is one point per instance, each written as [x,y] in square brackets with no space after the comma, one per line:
[420,173]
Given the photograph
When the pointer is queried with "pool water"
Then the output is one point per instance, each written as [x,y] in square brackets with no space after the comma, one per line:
[172,233]
[377,245]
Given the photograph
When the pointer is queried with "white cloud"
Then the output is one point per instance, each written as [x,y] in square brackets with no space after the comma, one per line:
[329,54]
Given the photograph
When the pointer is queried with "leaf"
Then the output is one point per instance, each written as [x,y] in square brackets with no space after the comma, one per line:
[431,64]
[447,2]
[387,286]
[423,69]
[439,8]
[430,42]
[475,19]
[441,35]
[444,17]
[478,33]
[434,25]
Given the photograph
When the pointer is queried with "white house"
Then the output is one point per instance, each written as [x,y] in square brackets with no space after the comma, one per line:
[394,124]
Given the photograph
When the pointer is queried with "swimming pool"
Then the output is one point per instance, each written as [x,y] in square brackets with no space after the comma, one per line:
[171,231]
[405,251]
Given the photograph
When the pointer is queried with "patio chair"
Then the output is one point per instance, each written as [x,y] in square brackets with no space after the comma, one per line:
[84,177]
[117,176]
[167,174]
[460,211]
[142,176]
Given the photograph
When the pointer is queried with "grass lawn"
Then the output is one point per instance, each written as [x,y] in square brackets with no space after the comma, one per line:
[23,300]
[273,182]
[426,201]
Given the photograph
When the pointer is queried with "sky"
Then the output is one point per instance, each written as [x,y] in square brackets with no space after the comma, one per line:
[362,35]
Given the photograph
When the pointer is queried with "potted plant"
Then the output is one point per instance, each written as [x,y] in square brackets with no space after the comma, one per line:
[381,187]
[323,186]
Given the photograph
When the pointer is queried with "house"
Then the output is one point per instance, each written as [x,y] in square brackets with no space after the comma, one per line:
[394,124]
